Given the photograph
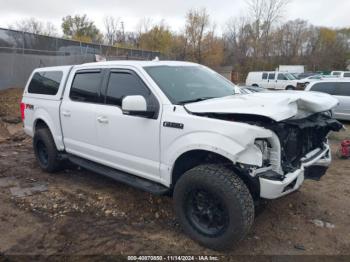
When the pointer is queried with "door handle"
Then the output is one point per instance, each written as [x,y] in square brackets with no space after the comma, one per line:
[66,113]
[102,120]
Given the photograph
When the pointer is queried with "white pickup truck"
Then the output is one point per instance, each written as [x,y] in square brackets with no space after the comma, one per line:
[180,129]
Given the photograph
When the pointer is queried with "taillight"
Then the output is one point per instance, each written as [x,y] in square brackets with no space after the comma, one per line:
[23,107]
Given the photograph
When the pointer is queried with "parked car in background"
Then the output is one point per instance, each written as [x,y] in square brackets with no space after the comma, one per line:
[251,89]
[313,78]
[273,80]
[336,73]
[341,74]
[346,74]
[305,75]
[340,89]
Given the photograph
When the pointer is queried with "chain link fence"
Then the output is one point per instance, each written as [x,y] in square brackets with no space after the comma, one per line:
[21,53]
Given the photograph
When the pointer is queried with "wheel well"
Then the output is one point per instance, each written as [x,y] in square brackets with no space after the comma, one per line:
[40,124]
[290,87]
[194,158]
[255,85]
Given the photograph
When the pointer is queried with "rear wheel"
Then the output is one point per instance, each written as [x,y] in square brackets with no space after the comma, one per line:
[214,206]
[290,88]
[45,151]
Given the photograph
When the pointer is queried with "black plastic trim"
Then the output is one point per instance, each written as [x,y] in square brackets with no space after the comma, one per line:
[120,176]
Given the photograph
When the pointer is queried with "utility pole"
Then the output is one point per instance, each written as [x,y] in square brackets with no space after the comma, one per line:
[123,31]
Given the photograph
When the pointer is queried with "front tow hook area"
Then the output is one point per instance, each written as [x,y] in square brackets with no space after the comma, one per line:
[315,172]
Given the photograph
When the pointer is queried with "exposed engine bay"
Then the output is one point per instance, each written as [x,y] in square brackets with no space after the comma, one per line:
[298,137]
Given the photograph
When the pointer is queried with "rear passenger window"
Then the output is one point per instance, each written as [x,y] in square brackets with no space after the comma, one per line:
[346,74]
[122,84]
[86,86]
[264,76]
[327,88]
[342,89]
[272,76]
[45,83]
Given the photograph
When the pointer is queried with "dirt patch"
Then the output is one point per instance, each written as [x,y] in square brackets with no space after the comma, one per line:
[10,100]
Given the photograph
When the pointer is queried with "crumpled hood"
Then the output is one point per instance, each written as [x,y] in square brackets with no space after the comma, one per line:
[279,106]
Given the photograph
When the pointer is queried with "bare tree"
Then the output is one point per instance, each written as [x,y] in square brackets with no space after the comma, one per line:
[32,25]
[264,15]
[237,36]
[143,26]
[197,23]
[112,28]
[50,29]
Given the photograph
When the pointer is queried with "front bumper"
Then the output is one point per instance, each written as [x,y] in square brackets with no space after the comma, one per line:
[314,165]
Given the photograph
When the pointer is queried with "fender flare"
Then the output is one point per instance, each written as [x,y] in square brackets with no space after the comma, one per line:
[43,115]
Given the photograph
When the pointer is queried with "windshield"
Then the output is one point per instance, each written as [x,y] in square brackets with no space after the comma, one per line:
[186,84]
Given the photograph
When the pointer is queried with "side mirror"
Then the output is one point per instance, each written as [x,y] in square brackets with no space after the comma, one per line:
[136,106]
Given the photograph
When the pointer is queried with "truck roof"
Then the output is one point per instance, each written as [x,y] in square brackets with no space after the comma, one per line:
[141,63]
[134,63]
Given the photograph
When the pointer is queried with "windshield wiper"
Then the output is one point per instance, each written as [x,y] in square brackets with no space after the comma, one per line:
[195,100]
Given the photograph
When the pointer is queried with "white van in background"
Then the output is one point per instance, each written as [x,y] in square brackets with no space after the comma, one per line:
[273,80]
[341,74]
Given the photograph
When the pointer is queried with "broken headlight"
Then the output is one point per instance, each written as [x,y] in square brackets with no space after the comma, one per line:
[265,149]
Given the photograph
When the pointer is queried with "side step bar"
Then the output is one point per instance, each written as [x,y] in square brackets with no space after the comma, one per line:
[120,176]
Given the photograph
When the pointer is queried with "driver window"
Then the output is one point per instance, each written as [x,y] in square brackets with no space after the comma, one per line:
[122,84]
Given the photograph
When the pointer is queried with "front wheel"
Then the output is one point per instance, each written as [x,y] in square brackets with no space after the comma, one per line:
[214,206]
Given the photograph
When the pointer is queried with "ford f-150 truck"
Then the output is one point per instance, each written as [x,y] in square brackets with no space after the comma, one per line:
[182,130]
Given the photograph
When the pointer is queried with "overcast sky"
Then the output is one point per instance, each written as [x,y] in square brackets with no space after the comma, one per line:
[332,13]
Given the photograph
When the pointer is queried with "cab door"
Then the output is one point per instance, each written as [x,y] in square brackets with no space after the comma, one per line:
[78,113]
[128,142]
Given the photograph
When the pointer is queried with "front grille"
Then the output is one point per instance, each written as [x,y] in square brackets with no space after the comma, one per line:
[300,137]
[300,142]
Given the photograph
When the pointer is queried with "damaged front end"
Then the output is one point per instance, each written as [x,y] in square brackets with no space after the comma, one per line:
[304,153]
[303,139]
[297,150]
[298,124]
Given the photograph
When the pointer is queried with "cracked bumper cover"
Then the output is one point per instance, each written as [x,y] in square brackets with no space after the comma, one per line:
[313,166]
